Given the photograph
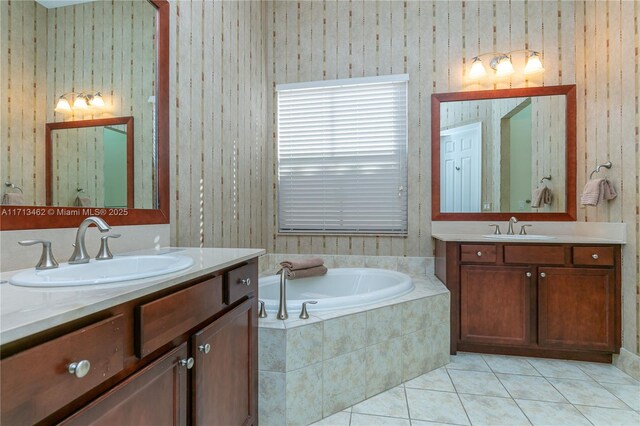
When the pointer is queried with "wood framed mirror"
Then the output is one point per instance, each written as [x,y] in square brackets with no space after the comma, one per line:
[492,150]
[28,119]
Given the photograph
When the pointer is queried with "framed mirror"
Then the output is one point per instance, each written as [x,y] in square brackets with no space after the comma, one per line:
[86,51]
[502,153]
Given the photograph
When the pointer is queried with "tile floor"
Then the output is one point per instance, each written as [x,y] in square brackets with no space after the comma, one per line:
[479,389]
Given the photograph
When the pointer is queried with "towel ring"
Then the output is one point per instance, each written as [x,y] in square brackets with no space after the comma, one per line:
[545,178]
[8,184]
[606,165]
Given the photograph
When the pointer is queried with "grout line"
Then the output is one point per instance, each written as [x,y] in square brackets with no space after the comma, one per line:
[513,399]
[459,399]
[406,400]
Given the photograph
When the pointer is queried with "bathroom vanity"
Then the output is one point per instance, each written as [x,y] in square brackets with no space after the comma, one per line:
[175,349]
[557,299]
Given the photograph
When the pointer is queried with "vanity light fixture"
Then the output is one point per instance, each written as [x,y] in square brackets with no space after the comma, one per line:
[501,63]
[81,101]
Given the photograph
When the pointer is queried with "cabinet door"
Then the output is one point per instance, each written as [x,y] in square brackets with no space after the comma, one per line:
[225,373]
[576,308]
[495,304]
[157,395]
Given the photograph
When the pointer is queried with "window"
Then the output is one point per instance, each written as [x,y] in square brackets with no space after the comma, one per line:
[342,156]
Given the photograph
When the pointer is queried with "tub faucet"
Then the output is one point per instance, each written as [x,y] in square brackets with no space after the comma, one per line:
[282,305]
[511,222]
[80,252]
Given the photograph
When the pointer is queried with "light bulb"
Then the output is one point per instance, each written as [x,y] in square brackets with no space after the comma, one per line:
[63,105]
[534,65]
[80,103]
[504,67]
[477,70]
[96,100]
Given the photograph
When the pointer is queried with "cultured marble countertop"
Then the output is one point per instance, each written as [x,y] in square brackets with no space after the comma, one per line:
[28,310]
[566,239]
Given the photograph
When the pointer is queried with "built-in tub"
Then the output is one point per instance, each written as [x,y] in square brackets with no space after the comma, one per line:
[339,289]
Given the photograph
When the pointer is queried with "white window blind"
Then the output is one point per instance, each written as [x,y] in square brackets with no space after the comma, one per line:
[342,156]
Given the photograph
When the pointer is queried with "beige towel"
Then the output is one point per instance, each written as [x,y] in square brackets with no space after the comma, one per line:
[296,264]
[13,199]
[541,196]
[596,191]
[316,271]
[83,201]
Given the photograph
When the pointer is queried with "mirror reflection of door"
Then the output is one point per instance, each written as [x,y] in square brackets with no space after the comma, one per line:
[515,164]
[461,168]
[115,167]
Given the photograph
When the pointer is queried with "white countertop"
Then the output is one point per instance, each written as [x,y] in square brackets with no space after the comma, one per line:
[567,239]
[27,310]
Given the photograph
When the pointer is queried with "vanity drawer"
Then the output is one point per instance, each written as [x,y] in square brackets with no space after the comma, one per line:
[164,319]
[239,282]
[478,253]
[37,382]
[597,256]
[547,255]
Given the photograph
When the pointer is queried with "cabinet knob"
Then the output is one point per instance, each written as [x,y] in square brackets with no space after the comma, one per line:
[206,348]
[528,274]
[595,256]
[479,253]
[542,274]
[79,369]
[245,281]
[187,363]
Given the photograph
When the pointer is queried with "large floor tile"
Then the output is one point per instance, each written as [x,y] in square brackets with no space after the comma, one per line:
[558,369]
[434,380]
[436,406]
[629,394]
[424,423]
[338,419]
[392,403]
[465,361]
[530,387]
[586,393]
[477,383]
[489,410]
[510,365]
[607,416]
[369,420]
[552,413]
[606,373]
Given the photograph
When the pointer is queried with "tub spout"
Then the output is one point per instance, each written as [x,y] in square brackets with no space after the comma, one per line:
[282,305]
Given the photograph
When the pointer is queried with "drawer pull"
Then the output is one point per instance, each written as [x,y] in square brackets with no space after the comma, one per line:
[187,363]
[206,348]
[79,369]
[479,253]
[528,274]
[245,281]
[595,256]
[542,274]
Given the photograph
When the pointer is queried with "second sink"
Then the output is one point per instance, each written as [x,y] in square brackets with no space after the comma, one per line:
[518,237]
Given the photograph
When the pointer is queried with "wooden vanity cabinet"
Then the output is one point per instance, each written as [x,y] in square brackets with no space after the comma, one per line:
[155,369]
[552,300]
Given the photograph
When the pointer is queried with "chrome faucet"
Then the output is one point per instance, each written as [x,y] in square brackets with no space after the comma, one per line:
[511,222]
[282,305]
[80,252]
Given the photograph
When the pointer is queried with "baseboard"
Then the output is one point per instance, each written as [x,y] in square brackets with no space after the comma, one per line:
[628,362]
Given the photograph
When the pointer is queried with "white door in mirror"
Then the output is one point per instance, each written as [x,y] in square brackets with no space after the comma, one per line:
[120,268]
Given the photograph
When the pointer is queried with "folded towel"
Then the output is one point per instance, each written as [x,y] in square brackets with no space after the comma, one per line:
[83,201]
[316,271]
[596,191]
[541,196]
[13,199]
[294,265]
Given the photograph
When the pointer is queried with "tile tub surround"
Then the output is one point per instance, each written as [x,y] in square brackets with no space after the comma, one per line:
[311,369]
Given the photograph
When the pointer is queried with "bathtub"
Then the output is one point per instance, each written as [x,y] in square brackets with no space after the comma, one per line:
[340,288]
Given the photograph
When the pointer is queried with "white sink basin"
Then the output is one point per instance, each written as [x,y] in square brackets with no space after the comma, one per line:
[519,237]
[120,268]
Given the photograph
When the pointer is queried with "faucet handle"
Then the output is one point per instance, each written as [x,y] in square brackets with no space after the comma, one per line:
[47,261]
[523,231]
[304,314]
[262,313]
[104,253]
[497,230]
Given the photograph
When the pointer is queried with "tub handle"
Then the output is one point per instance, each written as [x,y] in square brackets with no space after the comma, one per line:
[304,314]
